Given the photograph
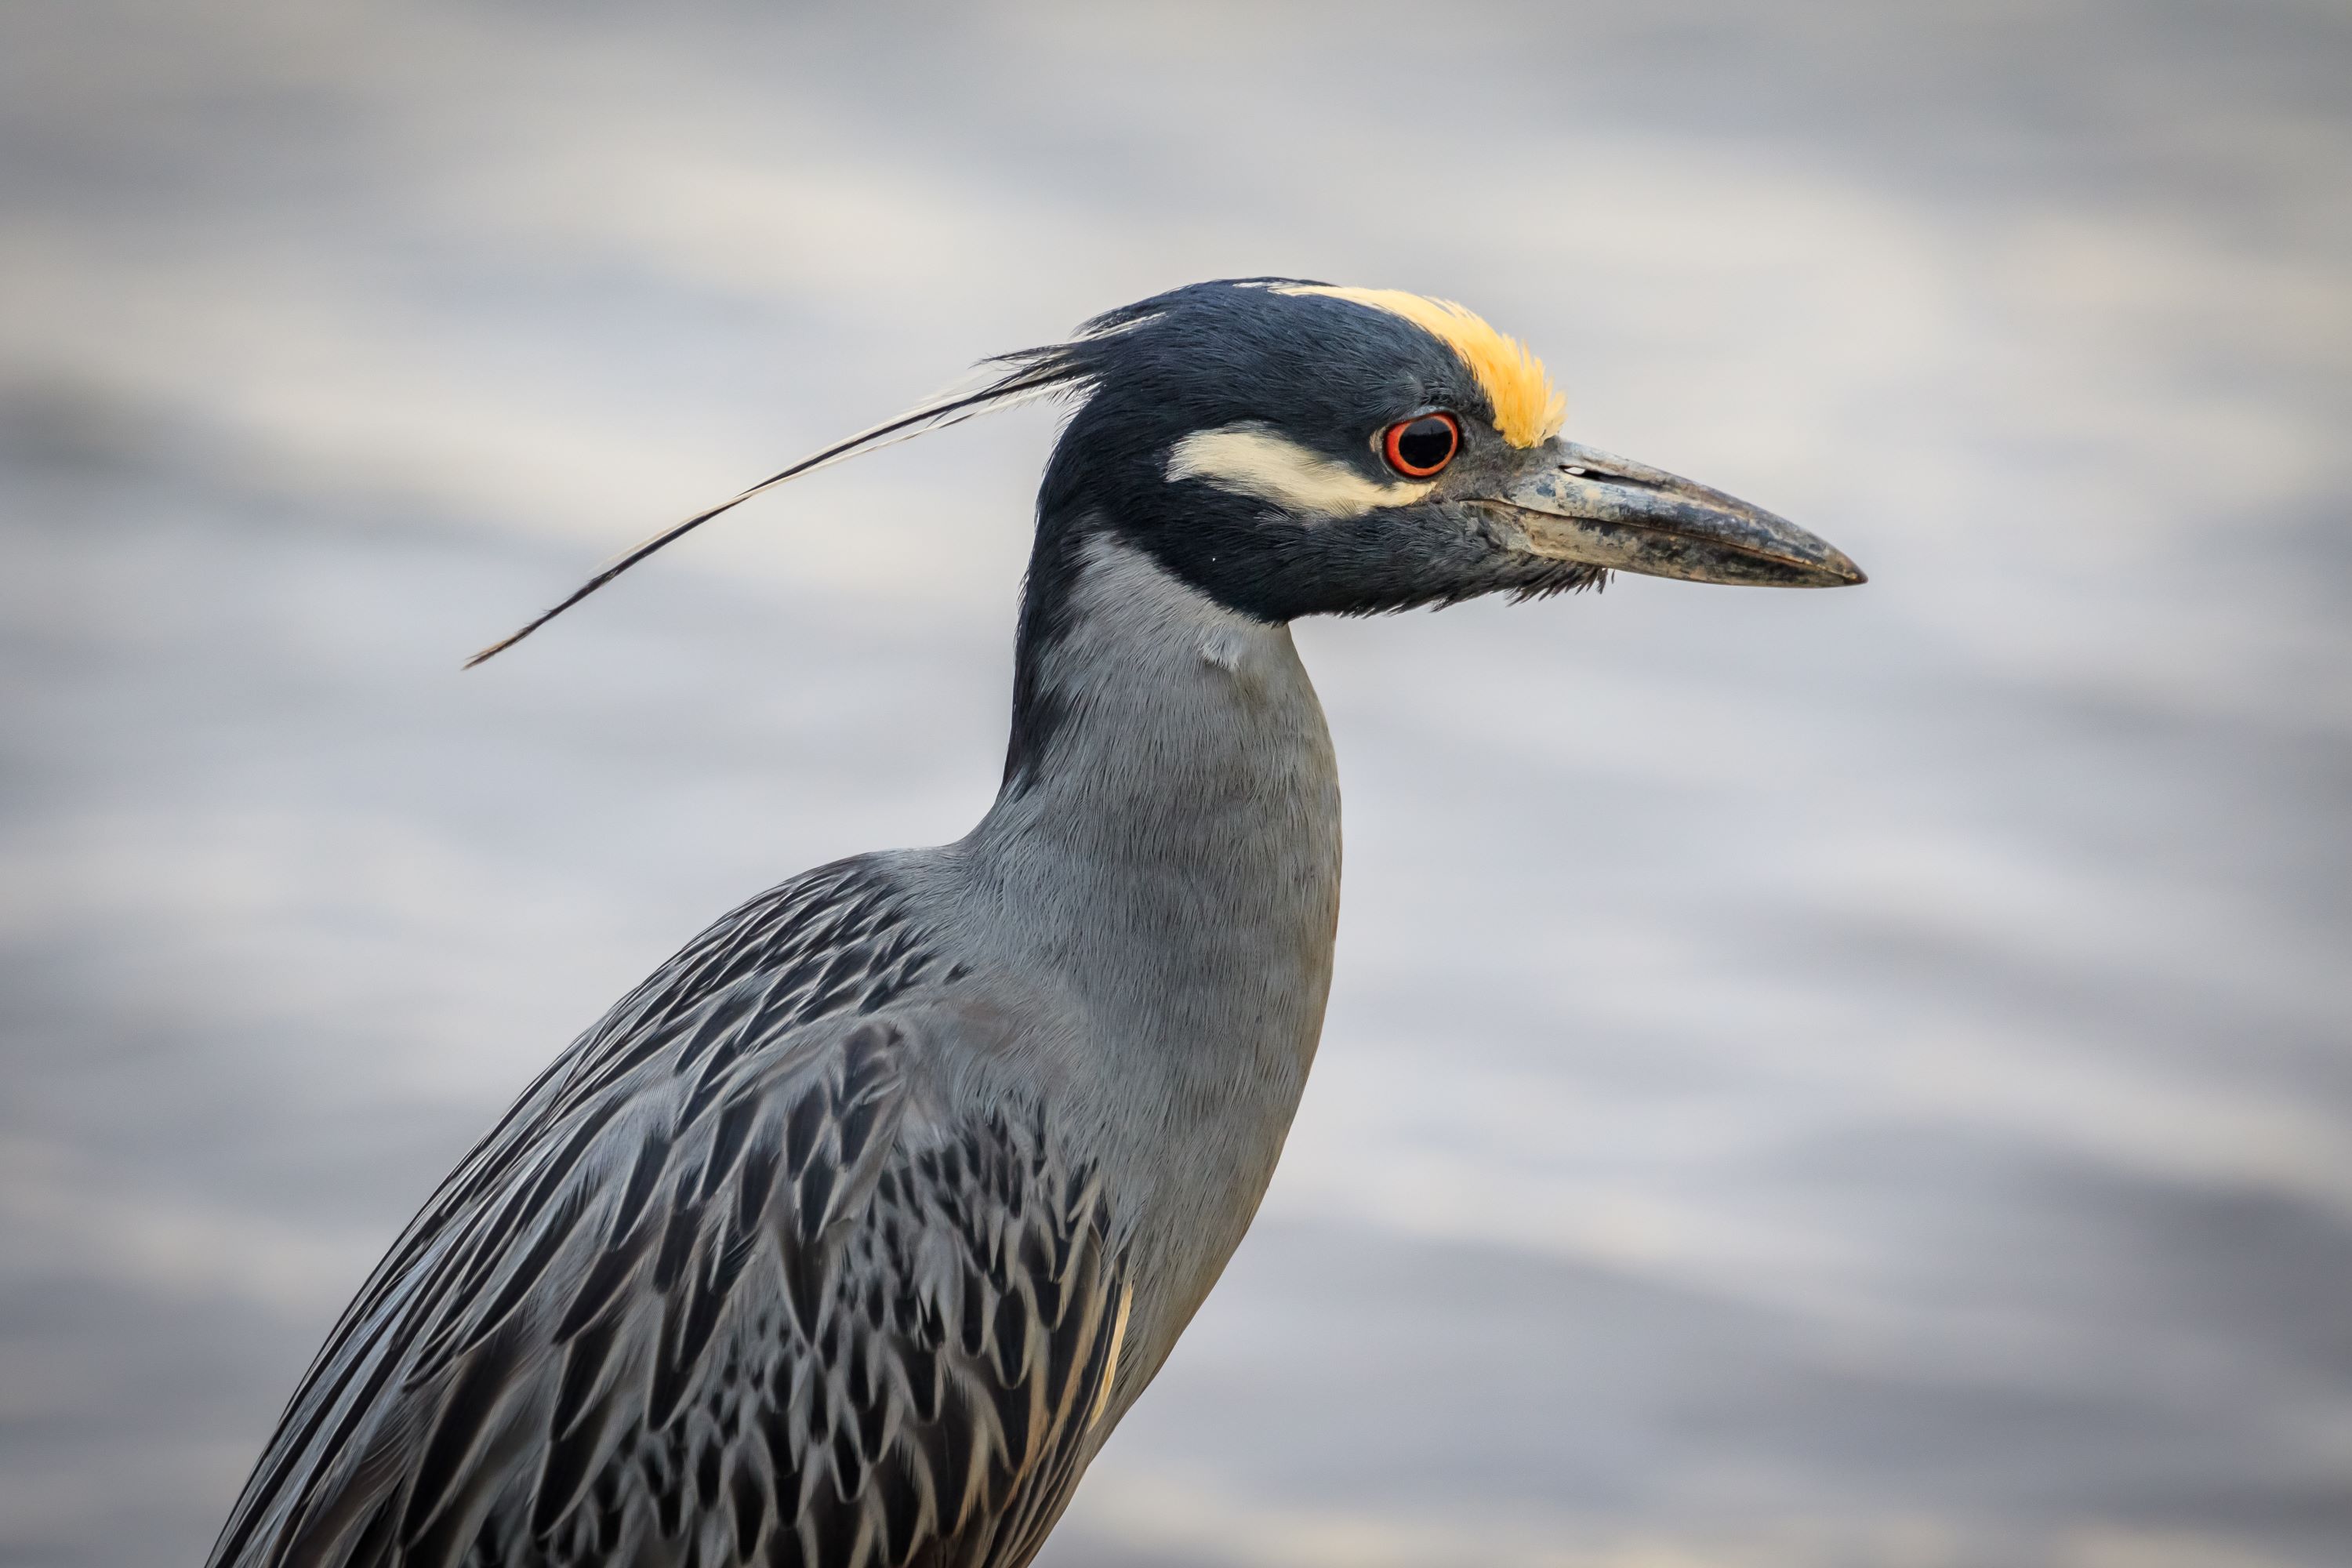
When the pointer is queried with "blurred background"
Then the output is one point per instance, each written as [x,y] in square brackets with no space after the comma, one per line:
[1855,1078]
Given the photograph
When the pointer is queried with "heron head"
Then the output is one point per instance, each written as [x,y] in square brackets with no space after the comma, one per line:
[1293,448]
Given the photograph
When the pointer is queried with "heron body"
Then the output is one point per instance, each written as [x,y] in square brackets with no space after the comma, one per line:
[847,1238]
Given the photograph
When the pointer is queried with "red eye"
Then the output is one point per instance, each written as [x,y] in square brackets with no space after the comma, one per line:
[1423,445]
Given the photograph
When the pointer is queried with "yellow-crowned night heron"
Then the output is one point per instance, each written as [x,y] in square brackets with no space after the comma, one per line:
[847,1238]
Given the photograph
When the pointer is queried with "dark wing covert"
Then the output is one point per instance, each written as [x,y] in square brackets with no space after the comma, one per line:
[718,1291]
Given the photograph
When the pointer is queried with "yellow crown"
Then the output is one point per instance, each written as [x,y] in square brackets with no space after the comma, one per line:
[1527,411]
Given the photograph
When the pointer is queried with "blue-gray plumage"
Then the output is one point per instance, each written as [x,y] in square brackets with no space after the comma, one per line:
[847,1238]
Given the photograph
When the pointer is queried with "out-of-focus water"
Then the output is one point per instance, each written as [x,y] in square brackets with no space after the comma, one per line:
[1843,1079]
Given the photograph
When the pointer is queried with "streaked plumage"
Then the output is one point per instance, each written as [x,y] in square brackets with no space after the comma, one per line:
[847,1236]
[705,1290]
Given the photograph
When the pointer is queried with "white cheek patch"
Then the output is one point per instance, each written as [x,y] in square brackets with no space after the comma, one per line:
[1252,460]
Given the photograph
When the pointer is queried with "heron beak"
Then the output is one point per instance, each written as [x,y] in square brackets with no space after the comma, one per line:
[1603,510]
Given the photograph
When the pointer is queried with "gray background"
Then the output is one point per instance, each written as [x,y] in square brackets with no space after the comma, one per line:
[1812,1078]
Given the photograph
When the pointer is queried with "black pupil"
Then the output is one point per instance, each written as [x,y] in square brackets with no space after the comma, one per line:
[1426,443]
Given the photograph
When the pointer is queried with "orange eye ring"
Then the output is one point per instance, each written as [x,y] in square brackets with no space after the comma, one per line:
[1423,445]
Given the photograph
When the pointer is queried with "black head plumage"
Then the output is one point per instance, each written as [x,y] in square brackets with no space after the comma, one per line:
[1293,357]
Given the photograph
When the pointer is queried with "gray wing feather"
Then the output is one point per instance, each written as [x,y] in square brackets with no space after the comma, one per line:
[718,1290]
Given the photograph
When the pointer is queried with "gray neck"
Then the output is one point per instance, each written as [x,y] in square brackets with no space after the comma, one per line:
[1171,863]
